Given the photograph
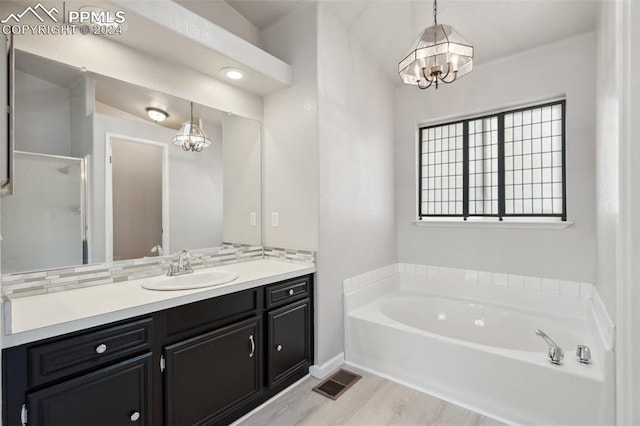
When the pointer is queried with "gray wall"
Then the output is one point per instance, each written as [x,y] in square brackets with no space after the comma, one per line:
[43,117]
[357,194]
[328,160]
[562,68]
[290,158]
[242,179]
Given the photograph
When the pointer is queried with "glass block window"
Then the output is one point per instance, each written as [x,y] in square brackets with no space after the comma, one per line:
[510,163]
[483,167]
[533,161]
[441,166]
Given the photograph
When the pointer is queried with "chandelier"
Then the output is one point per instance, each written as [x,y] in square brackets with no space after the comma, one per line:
[439,55]
[191,137]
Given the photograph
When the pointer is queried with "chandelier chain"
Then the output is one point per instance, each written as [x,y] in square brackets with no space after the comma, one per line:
[435,12]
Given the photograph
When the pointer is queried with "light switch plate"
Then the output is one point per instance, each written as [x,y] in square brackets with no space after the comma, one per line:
[253,219]
[275,219]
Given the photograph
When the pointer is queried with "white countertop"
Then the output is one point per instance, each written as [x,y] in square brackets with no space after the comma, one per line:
[32,318]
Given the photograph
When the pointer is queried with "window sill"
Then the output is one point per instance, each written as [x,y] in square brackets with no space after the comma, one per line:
[507,223]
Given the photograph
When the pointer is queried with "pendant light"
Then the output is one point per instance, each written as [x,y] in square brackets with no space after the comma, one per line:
[439,55]
[191,137]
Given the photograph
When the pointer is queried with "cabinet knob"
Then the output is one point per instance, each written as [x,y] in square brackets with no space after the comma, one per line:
[279,348]
[135,416]
[101,348]
[290,292]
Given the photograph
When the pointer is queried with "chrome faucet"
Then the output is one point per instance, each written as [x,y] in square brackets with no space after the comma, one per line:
[157,249]
[555,352]
[182,266]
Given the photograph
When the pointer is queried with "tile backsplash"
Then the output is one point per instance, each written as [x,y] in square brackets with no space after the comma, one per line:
[69,278]
[289,255]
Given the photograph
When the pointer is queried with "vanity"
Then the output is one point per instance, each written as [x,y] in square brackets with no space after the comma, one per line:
[203,356]
[87,337]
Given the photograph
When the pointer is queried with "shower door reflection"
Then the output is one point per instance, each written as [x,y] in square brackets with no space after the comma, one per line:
[43,223]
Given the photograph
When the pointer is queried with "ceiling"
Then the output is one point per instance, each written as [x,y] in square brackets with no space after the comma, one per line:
[117,94]
[496,28]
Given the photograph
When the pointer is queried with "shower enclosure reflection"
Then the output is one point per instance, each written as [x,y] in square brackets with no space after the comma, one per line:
[44,222]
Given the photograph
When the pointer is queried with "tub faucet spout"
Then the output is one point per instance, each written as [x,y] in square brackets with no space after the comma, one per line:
[555,352]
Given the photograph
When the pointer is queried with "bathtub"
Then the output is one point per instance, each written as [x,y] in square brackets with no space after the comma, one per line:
[484,356]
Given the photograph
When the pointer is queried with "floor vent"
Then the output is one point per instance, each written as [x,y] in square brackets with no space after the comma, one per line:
[337,384]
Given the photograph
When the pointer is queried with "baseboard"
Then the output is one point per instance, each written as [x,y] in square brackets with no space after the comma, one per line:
[268,401]
[322,371]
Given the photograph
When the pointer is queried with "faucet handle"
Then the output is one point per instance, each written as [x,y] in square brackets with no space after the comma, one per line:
[555,355]
[172,269]
[584,354]
[555,352]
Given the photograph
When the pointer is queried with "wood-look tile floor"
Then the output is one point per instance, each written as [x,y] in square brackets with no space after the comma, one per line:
[373,400]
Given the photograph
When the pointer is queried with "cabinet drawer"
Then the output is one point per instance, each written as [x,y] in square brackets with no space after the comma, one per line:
[282,293]
[75,354]
[191,319]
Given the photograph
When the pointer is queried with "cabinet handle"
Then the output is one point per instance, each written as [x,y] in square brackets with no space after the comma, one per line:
[135,416]
[279,348]
[253,346]
[101,348]
[290,292]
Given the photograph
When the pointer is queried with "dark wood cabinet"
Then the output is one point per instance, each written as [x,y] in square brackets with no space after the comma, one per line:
[117,395]
[204,363]
[289,340]
[211,374]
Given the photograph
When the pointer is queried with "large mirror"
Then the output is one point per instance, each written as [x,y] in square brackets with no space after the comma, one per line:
[98,177]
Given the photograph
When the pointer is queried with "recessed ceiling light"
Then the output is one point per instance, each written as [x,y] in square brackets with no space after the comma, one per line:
[156,114]
[233,73]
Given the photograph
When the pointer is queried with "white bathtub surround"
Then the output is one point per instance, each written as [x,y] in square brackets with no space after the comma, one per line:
[468,337]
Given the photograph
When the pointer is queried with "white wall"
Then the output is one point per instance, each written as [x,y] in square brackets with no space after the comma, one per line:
[628,292]
[195,194]
[43,118]
[607,154]
[242,179]
[290,158]
[222,14]
[563,68]
[618,192]
[357,200]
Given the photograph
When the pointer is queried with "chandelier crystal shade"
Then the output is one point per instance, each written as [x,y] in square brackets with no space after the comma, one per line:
[191,137]
[439,55]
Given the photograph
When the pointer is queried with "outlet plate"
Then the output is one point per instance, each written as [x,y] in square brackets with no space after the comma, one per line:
[275,219]
[253,219]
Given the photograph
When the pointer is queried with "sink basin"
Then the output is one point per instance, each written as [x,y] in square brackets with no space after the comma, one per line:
[199,279]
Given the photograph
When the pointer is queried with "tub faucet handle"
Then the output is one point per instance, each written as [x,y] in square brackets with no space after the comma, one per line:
[555,352]
[584,354]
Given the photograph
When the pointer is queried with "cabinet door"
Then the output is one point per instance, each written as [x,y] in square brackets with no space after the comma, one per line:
[289,341]
[211,374]
[116,395]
